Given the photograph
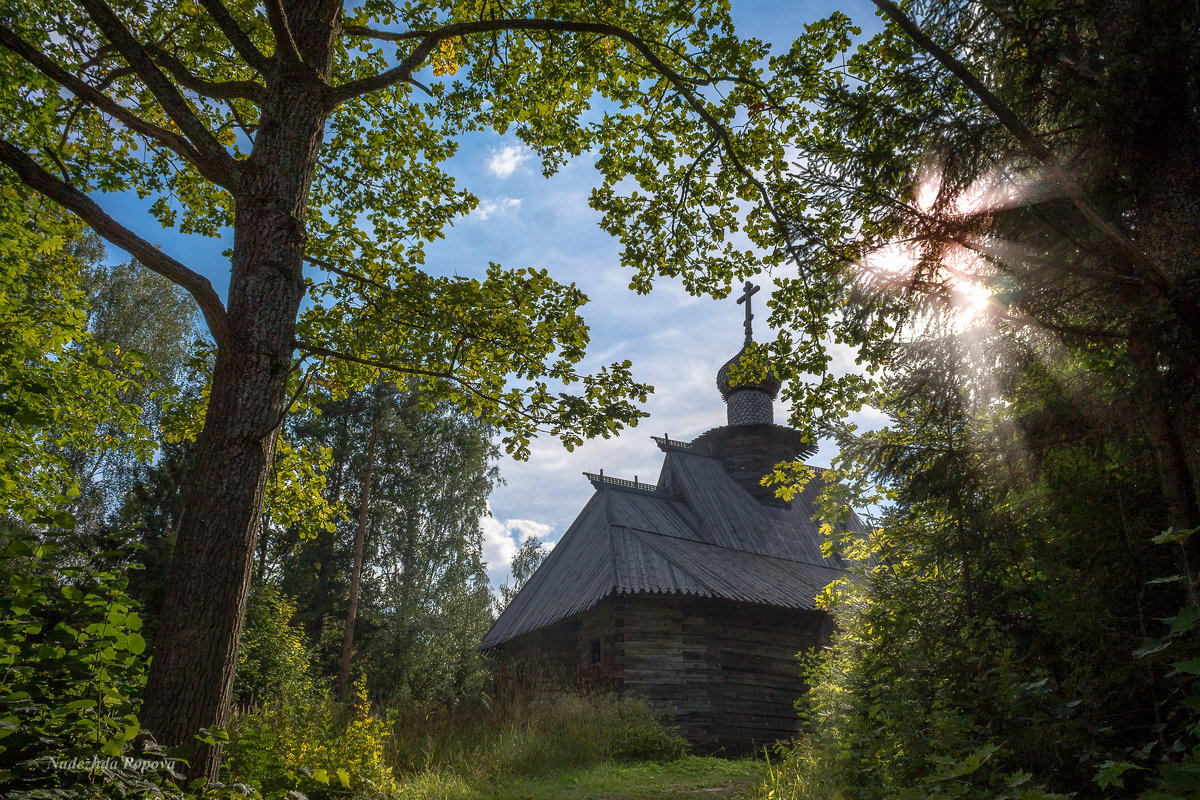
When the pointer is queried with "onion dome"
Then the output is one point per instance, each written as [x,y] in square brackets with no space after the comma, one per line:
[748,403]
[768,385]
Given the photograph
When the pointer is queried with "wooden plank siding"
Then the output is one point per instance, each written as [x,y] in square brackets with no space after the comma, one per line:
[725,673]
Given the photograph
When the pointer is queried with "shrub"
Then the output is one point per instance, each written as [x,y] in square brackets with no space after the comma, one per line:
[309,742]
[72,668]
[274,662]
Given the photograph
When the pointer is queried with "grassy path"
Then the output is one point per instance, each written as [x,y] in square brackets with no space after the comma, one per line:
[689,778]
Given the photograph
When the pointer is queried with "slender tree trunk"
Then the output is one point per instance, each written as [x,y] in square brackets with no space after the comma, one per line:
[260,571]
[1177,483]
[326,541]
[360,540]
[191,675]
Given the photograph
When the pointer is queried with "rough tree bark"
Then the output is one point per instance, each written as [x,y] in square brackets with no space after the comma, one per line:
[196,649]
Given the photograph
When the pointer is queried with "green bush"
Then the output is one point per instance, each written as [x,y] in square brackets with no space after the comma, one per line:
[310,743]
[274,661]
[72,668]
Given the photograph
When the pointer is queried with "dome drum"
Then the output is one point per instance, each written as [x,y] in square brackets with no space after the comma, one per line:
[748,403]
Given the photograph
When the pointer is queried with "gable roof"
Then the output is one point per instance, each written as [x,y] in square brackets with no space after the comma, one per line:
[697,532]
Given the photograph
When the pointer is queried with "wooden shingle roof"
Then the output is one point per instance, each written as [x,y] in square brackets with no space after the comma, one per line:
[697,532]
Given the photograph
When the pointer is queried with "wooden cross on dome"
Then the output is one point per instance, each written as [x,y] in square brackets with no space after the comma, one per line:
[748,291]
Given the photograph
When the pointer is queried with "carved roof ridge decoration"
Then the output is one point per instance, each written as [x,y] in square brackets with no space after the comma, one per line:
[666,443]
[601,480]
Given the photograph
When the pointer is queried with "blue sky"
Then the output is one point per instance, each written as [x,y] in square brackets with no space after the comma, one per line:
[676,342]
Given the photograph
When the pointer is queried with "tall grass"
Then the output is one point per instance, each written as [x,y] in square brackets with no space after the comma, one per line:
[795,772]
[417,751]
[530,735]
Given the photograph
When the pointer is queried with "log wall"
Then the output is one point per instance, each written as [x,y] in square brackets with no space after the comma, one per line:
[724,672]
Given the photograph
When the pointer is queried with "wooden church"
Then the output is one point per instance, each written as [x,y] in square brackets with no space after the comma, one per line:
[695,592]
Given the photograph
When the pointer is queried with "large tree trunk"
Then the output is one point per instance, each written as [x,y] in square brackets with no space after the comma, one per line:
[195,656]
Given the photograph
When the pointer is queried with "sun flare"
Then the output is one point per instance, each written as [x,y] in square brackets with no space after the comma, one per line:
[960,284]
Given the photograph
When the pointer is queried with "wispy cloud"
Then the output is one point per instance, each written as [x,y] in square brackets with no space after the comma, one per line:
[505,160]
[498,206]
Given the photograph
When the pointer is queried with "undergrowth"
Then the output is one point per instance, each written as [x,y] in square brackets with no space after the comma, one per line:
[312,745]
[73,663]
[530,734]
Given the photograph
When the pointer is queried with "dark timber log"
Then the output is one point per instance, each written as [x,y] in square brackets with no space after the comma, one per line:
[725,673]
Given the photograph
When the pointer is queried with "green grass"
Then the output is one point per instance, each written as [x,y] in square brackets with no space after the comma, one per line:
[523,745]
[687,778]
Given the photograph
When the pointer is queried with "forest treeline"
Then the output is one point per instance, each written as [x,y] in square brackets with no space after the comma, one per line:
[1017,184]
[383,513]
[993,205]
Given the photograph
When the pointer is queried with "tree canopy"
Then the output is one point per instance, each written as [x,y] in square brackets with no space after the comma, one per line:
[995,200]
[316,133]
[1022,166]
[66,393]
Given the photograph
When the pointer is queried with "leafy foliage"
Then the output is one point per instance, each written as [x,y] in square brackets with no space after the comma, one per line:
[275,662]
[309,742]
[988,647]
[1015,267]
[379,192]
[72,667]
[64,391]
[141,315]
[471,751]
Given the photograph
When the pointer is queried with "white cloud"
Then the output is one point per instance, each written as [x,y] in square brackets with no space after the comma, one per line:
[500,205]
[502,538]
[528,528]
[505,160]
[498,545]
